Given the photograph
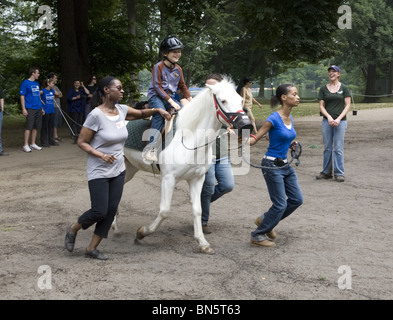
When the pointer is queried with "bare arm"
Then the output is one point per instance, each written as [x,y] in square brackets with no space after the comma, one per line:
[85,136]
[256,102]
[86,90]
[323,110]
[22,102]
[267,125]
[134,114]
[58,94]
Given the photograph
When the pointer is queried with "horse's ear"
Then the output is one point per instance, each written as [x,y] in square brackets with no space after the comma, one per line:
[209,86]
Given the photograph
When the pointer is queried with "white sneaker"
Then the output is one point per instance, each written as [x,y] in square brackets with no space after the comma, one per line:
[151,155]
[26,148]
[35,147]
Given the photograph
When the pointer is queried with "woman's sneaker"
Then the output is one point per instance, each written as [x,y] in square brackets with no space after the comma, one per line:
[35,147]
[26,148]
[271,234]
[261,241]
[340,178]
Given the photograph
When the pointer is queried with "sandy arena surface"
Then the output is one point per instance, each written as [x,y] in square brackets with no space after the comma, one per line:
[336,246]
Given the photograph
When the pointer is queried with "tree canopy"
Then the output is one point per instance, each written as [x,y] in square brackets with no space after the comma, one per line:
[256,38]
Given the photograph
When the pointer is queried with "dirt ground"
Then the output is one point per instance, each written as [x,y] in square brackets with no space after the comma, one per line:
[336,246]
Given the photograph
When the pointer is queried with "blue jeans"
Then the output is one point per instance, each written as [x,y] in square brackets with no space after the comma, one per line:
[333,140]
[221,171]
[157,122]
[285,194]
[1,123]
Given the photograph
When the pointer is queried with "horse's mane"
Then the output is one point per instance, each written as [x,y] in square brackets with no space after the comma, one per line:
[193,110]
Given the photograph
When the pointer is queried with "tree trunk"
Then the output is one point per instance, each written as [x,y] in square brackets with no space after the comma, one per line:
[73,46]
[81,34]
[390,89]
[131,17]
[262,79]
[370,86]
[134,96]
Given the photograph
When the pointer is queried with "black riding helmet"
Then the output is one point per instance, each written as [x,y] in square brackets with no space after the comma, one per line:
[170,43]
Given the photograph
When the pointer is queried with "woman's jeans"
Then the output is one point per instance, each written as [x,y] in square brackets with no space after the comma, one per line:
[333,140]
[285,194]
[105,195]
[157,121]
[221,171]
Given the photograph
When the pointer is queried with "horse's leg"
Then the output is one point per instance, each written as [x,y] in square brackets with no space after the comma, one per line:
[195,186]
[167,187]
[130,173]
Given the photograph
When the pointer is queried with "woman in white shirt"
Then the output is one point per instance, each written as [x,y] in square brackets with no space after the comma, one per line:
[103,136]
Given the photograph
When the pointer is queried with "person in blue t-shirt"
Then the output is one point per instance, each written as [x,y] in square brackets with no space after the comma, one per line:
[48,120]
[282,183]
[31,108]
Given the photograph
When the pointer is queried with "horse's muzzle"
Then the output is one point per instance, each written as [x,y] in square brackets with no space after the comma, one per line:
[242,124]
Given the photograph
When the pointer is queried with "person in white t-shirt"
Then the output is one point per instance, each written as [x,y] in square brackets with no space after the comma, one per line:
[103,136]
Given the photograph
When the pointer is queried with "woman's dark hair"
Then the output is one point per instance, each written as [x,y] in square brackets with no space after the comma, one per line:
[91,79]
[282,89]
[242,84]
[96,100]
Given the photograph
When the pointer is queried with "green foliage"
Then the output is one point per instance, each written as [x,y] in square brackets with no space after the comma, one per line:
[371,38]
[287,41]
[293,30]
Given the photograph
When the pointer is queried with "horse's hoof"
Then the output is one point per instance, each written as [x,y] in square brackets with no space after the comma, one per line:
[206,250]
[139,233]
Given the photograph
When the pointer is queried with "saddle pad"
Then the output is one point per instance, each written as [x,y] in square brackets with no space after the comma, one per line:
[136,128]
[135,131]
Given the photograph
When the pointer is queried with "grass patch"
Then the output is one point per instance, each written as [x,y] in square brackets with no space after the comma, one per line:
[310,108]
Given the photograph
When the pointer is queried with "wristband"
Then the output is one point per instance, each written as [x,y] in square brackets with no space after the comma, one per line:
[252,136]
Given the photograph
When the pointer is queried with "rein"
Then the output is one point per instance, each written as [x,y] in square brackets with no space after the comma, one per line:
[219,113]
[206,144]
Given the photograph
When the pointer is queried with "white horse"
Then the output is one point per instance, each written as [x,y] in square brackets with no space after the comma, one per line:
[188,155]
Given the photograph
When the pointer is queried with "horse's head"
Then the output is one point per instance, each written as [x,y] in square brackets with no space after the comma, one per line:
[229,107]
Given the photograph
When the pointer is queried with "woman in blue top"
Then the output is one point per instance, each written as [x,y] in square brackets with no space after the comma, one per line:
[48,119]
[282,183]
